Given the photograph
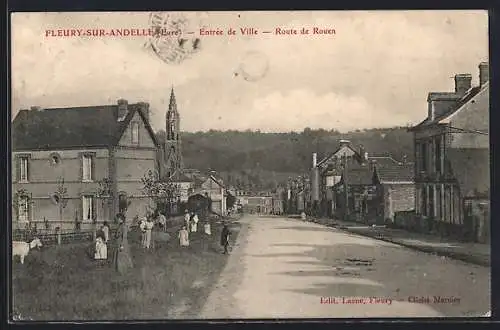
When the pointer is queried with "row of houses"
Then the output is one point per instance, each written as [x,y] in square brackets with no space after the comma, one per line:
[80,165]
[445,190]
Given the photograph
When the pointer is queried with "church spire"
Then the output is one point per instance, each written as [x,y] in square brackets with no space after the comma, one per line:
[173,104]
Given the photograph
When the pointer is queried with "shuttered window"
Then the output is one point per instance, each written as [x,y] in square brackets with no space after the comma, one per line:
[87,168]
[23,169]
[23,209]
[87,208]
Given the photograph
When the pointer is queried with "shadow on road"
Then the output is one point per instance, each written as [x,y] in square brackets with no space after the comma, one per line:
[306,228]
[382,270]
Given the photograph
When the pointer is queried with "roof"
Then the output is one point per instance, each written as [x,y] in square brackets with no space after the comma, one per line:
[178,176]
[395,173]
[217,180]
[357,156]
[471,168]
[358,174]
[384,161]
[75,127]
[460,102]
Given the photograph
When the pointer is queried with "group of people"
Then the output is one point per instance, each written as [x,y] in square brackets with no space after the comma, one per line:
[146,225]
[191,222]
[101,243]
[191,225]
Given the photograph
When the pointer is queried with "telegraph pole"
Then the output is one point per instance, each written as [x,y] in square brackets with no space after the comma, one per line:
[346,193]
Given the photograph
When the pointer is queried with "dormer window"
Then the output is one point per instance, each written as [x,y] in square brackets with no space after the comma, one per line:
[55,159]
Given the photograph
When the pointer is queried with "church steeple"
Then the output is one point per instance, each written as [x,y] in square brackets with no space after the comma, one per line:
[173,151]
[172,106]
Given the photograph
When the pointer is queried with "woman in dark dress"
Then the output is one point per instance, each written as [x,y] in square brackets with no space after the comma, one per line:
[122,260]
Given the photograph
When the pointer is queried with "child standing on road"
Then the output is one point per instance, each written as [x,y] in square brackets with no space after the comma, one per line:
[184,237]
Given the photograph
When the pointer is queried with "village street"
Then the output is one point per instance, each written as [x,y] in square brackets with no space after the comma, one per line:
[286,268]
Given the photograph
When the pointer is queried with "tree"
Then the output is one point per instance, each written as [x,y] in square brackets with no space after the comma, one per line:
[159,191]
[104,193]
[61,197]
[16,202]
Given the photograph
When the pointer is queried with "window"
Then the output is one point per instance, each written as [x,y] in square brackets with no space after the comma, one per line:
[431,203]
[439,211]
[438,155]
[87,168]
[122,202]
[23,209]
[23,173]
[135,133]
[88,207]
[423,158]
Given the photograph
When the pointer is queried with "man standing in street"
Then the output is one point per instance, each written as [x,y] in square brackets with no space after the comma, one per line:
[224,239]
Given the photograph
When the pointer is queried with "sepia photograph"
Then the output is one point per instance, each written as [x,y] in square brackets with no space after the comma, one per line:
[249,165]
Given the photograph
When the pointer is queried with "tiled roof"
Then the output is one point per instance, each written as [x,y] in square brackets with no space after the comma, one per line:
[395,173]
[358,174]
[93,126]
[471,168]
[384,161]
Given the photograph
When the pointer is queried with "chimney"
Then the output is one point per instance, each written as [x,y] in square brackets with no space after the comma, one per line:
[122,108]
[36,108]
[484,73]
[315,159]
[144,107]
[463,83]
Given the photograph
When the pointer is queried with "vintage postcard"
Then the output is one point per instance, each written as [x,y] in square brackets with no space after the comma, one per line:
[250,165]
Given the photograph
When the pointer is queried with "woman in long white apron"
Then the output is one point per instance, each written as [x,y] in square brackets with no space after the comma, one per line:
[194,227]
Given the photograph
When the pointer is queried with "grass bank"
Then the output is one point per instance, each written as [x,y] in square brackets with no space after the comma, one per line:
[63,283]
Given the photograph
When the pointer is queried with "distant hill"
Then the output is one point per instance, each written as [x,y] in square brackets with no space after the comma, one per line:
[258,160]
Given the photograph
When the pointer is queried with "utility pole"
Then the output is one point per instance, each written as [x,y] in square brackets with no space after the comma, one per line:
[346,193]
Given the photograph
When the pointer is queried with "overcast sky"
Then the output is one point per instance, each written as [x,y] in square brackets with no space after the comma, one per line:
[375,71]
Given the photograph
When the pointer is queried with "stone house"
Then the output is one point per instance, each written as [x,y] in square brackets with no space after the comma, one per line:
[72,166]
[395,186]
[210,186]
[327,173]
[377,186]
[259,205]
[452,159]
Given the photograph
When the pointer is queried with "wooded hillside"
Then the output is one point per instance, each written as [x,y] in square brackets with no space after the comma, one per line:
[259,160]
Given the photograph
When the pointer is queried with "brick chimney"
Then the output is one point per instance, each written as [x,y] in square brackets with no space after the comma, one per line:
[144,107]
[484,73]
[122,108]
[315,159]
[463,83]
[36,108]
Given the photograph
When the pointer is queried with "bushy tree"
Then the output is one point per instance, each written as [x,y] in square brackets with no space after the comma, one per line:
[159,191]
